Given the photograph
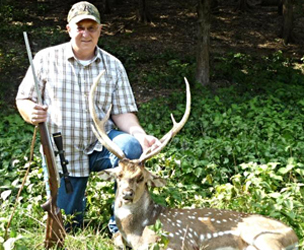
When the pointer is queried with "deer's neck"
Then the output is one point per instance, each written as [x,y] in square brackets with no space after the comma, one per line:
[132,219]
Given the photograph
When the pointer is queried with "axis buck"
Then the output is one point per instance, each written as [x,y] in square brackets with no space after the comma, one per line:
[204,228]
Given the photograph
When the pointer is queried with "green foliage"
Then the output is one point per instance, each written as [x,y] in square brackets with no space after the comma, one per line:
[241,149]
[16,18]
[163,241]
[165,72]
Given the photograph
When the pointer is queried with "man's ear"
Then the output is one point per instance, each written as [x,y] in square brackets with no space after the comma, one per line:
[68,28]
[109,174]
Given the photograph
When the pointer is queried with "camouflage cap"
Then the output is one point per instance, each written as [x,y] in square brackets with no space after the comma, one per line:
[83,10]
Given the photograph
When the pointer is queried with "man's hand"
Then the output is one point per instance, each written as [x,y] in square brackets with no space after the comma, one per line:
[32,112]
[128,122]
[38,114]
[148,142]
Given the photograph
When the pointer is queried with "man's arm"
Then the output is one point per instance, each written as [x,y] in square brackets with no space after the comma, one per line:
[32,112]
[129,123]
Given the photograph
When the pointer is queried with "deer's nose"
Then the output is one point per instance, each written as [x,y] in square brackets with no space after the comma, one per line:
[128,194]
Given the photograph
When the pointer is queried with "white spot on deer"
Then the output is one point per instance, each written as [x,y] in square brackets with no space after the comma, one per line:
[124,212]
[171,235]
[203,218]
[218,222]
[215,235]
[235,233]
[145,223]
[209,236]
[202,237]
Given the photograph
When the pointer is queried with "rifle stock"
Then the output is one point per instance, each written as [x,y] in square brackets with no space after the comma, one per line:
[55,232]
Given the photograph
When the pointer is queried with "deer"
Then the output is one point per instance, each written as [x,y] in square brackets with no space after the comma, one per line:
[188,228]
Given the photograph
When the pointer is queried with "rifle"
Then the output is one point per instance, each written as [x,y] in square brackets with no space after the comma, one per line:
[64,162]
[55,232]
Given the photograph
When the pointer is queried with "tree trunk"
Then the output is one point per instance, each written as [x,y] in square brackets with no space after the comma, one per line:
[203,43]
[287,20]
[280,7]
[244,6]
[270,2]
[107,8]
[143,13]
[278,3]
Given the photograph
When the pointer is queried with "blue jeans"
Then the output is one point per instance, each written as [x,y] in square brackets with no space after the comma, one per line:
[74,203]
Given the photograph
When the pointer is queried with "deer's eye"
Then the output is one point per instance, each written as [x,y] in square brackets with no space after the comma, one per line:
[140,179]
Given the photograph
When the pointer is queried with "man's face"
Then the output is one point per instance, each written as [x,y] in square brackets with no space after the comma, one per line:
[84,35]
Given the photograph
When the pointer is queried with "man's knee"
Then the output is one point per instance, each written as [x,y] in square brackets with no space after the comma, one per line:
[128,144]
[133,149]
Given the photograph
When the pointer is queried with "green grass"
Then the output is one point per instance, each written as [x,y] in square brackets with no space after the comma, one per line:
[242,148]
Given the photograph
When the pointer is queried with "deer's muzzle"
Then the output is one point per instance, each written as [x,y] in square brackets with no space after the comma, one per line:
[127,196]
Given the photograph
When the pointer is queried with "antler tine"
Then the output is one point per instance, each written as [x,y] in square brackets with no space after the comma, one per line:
[175,129]
[100,124]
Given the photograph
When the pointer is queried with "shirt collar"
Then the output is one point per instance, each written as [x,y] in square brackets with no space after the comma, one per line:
[71,56]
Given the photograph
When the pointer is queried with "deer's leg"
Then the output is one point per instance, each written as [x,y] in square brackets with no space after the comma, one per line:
[118,241]
[269,241]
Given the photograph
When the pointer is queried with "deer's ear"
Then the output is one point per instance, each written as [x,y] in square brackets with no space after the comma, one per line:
[155,181]
[109,174]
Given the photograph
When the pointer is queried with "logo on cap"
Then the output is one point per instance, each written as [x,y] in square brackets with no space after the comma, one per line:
[83,10]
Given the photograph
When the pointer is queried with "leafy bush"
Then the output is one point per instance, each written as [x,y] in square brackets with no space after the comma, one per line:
[241,149]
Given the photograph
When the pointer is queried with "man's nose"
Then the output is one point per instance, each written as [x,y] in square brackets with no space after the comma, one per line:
[85,32]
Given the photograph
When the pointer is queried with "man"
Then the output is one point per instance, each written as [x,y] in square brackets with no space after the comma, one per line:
[65,73]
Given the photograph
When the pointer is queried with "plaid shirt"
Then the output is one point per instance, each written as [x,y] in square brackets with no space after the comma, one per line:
[65,84]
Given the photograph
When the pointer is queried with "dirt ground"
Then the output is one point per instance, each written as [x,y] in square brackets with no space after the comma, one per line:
[174,27]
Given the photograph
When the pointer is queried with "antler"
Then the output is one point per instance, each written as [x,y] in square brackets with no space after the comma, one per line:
[112,147]
[175,129]
[100,124]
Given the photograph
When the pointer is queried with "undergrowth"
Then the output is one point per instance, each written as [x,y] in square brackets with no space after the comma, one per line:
[241,149]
